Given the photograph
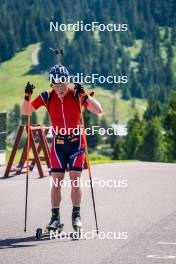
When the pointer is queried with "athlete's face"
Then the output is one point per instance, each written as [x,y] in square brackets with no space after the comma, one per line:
[61,88]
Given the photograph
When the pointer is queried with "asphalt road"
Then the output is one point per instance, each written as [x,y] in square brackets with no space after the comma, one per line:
[142,217]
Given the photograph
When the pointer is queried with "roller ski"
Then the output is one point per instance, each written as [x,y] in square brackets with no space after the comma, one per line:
[54,225]
[76,223]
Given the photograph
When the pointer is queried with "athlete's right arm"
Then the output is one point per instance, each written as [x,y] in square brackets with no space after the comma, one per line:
[35,104]
[26,107]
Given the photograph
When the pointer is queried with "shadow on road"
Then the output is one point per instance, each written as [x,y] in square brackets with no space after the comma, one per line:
[13,242]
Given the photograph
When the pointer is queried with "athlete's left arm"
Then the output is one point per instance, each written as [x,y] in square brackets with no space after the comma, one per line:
[94,106]
[90,103]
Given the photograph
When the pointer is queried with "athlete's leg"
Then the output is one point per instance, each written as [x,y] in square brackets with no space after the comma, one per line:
[57,177]
[76,188]
[76,199]
[76,162]
[59,161]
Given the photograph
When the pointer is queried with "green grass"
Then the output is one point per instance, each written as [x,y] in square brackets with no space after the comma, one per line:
[13,77]
[96,158]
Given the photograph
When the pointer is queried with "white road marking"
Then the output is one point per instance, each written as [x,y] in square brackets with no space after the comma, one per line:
[166,243]
[161,257]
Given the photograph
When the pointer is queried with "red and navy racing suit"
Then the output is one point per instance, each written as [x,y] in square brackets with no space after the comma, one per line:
[64,113]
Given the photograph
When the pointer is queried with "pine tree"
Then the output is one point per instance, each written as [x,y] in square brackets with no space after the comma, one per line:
[173,35]
[46,58]
[103,122]
[118,152]
[46,120]
[90,121]
[25,32]
[24,119]
[166,34]
[3,47]
[34,119]
[125,64]
[136,88]
[153,110]
[13,119]
[152,146]
[134,137]
[169,75]
[126,93]
[169,122]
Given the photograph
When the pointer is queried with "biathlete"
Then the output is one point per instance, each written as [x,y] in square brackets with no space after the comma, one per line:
[64,107]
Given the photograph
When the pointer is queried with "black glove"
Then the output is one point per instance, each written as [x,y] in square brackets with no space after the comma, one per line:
[28,90]
[81,93]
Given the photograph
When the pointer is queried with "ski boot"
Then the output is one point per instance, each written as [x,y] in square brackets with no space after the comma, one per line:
[76,223]
[53,224]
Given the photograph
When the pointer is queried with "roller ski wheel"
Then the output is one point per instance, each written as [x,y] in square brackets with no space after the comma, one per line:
[38,233]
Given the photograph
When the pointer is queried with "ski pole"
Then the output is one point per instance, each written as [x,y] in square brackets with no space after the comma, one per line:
[27,162]
[89,172]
